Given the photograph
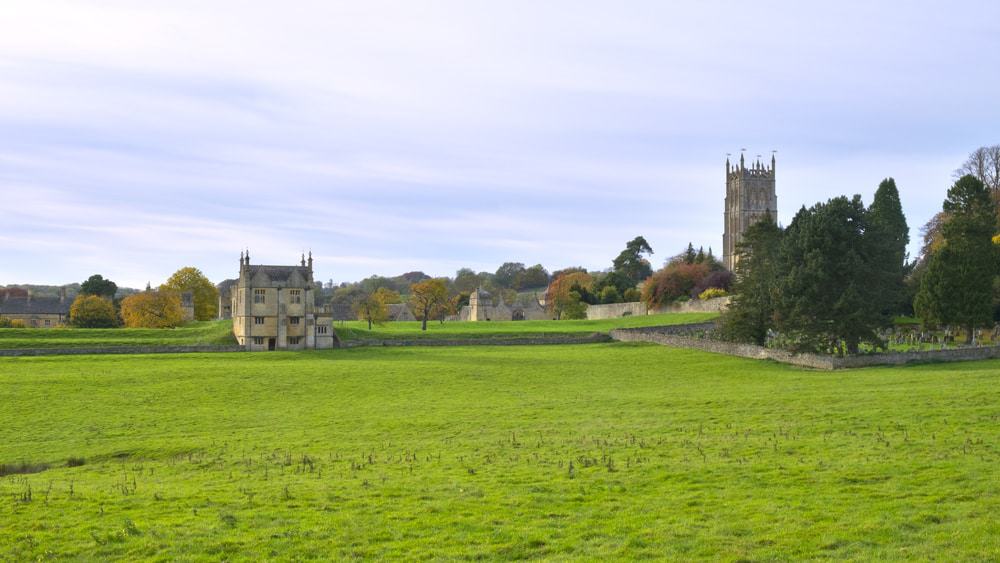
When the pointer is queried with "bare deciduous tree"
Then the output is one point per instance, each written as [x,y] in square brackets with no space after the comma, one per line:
[984,163]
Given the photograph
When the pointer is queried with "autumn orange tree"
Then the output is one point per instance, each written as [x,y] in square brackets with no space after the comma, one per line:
[428,298]
[561,298]
[152,309]
[91,311]
[206,295]
[374,307]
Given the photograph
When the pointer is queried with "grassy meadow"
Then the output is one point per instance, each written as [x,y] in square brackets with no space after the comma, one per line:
[195,333]
[358,330]
[602,451]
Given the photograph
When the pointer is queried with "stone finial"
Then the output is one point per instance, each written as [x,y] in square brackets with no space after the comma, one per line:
[303,260]
[310,263]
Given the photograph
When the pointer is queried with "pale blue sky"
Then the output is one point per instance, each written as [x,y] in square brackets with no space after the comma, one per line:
[139,137]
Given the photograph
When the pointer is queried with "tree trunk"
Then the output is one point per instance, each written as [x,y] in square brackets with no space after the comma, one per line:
[369,323]
[968,334]
[423,322]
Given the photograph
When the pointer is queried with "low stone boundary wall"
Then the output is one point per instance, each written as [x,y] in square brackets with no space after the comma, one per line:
[638,308]
[715,305]
[615,310]
[117,350]
[498,341]
[675,336]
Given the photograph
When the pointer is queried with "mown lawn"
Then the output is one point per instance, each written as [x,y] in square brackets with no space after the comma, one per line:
[604,451]
[355,330]
[206,332]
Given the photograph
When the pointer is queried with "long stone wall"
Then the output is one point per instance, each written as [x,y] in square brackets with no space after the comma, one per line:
[676,336]
[715,305]
[117,350]
[636,308]
[615,310]
[486,341]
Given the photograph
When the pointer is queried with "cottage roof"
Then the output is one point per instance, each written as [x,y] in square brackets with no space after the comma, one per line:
[34,306]
[226,285]
[279,273]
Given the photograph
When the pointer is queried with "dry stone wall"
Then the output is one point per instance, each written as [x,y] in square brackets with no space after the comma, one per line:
[682,336]
[636,308]
[117,350]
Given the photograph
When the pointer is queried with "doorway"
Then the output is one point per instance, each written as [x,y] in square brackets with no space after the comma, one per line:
[270,344]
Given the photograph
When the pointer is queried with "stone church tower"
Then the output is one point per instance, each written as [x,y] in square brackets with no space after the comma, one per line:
[750,196]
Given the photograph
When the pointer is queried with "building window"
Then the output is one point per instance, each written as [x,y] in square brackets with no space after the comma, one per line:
[258,320]
[296,295]
[258,340]
[258,296]
[48,322]
[294,320]
[321,329]
[294,340]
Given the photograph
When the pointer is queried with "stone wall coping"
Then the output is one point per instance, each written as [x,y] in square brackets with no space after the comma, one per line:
[674,336]
[20,352]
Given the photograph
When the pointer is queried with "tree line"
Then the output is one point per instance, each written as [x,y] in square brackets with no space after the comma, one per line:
[99,305]
[839,273]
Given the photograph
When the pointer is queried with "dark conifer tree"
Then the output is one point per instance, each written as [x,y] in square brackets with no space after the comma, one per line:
[888,236]
[827,297]
[751,311]
[957,286]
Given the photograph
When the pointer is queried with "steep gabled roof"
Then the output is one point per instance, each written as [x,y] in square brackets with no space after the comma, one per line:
[34,306]
[278,273]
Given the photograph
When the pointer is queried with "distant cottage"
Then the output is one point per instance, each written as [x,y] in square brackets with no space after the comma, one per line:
[274,308]
[482,308]
[35,312]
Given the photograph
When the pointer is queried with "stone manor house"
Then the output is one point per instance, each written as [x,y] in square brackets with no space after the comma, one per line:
[274,307]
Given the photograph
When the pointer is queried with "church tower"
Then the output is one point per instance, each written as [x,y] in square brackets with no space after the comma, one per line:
[750,196]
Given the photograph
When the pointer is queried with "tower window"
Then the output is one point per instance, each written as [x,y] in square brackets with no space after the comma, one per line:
[296,295]
[294,320]
[258,320]
[258,340]
[321,329]
[258,295]
[294,340]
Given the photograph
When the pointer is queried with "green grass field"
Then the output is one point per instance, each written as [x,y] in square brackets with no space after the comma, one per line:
[603,451]
[207,332]
[355,330]
[220,332]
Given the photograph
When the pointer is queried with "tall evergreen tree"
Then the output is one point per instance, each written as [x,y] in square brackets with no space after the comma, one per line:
[827,294]
[630,262]
[888,236]
[751,311]
[689,254]
[957,287]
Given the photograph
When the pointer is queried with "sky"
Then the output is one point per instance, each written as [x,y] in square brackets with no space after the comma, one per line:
[137,138]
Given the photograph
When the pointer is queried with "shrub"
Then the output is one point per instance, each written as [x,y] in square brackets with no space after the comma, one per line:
[574,307]
[91,311]
[610,295]
[671,283]
[632,295]
[712,293]
[719,279]
[152,309]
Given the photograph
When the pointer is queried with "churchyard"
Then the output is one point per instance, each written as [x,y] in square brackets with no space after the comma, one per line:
[597,451]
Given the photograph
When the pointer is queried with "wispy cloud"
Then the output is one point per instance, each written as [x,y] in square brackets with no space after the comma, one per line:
[394,136]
